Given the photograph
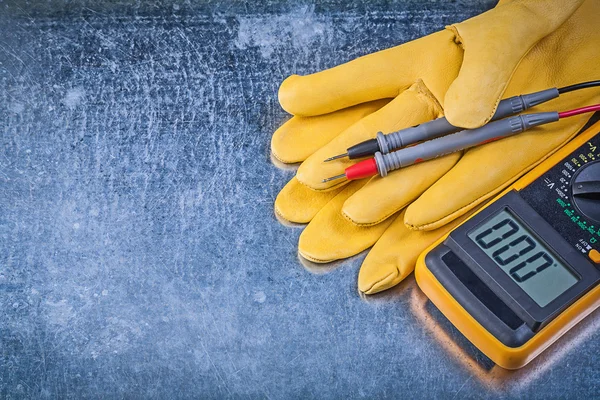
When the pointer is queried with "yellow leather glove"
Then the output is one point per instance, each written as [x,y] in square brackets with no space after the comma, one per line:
[518,47]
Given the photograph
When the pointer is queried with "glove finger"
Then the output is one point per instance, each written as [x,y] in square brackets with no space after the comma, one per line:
[494,44]
[299,203]
[395,191]
[330,236]
[379,75]
[300,137]
[395,254]
[411,107]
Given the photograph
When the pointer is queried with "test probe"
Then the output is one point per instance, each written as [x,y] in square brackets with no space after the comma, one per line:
[383,163]
[384,143]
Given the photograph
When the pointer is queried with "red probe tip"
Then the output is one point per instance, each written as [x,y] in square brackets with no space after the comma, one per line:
[363,169]
[333,178]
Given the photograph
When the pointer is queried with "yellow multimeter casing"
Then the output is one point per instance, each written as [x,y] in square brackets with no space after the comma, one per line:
[553,177]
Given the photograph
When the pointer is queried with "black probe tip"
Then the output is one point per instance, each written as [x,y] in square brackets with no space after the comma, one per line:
[334,178]
[336,157]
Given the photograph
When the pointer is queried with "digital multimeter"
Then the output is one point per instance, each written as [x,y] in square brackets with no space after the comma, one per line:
[522,271]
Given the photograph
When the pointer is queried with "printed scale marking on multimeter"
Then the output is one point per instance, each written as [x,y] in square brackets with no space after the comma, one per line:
[519,273]
[575,185]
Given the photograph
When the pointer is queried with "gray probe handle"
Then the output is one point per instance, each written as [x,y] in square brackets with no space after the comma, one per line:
[441,126]
[460,141]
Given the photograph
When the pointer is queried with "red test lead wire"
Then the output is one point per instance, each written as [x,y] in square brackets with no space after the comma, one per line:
[577,111]
[381,164]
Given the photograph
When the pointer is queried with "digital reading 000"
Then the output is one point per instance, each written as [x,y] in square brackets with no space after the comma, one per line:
[524,257]
[523,270]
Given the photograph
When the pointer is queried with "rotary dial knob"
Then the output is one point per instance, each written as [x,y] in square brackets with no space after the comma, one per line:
[585,190]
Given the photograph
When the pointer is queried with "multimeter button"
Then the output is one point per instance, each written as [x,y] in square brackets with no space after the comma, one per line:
[594,256]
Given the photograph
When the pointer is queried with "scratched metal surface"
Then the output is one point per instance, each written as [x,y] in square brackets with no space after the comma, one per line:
[139,253]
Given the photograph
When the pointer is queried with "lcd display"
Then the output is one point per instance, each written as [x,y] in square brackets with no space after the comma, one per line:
[524,257]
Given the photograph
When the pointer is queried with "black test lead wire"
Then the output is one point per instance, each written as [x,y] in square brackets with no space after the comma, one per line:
[385,143]
[578,86]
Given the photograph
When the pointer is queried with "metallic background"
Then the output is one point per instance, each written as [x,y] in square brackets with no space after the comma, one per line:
[139,253]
